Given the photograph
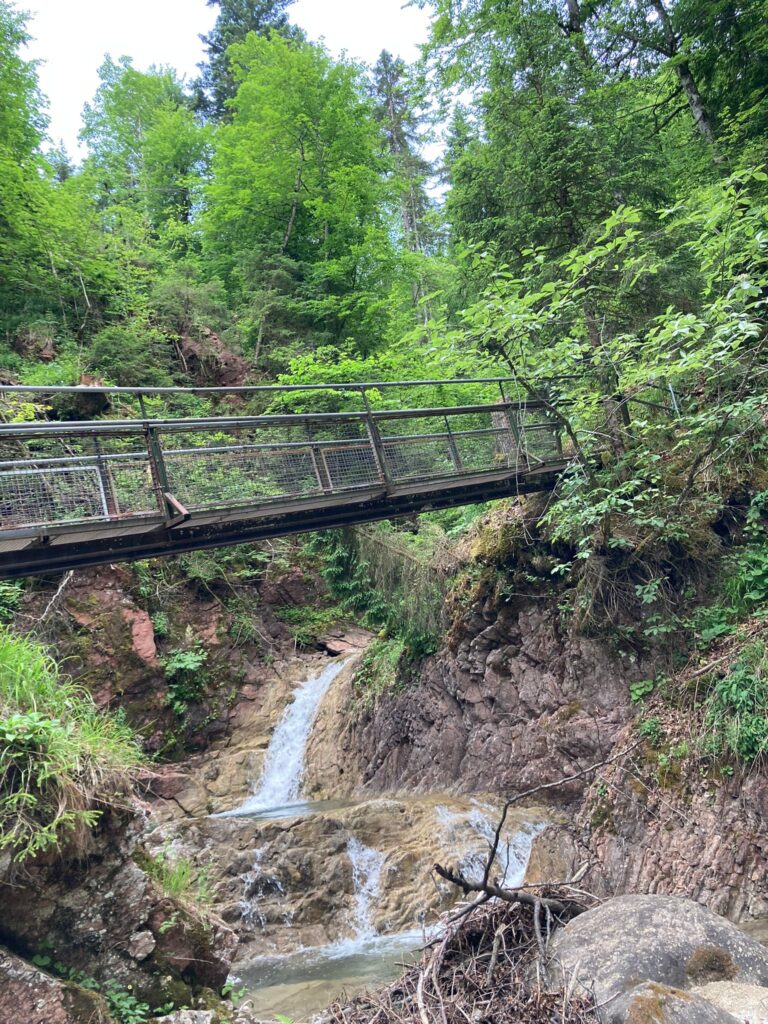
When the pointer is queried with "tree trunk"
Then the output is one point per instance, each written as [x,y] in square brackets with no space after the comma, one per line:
[695,101]
[295,204]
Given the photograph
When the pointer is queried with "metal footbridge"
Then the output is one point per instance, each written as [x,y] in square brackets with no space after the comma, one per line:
[80,492]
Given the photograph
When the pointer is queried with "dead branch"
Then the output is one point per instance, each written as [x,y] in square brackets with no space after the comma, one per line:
[540,789]
[570,909]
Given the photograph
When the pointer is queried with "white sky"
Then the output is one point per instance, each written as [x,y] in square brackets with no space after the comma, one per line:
[71,38]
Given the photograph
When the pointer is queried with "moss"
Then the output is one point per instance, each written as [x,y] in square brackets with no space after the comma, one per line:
[649,1006]
[602,813]
[710,963]
[84,1005]
[569,711]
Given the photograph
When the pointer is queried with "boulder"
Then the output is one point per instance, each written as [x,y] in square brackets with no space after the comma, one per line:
[673,942]
[748,1003]
[30,996]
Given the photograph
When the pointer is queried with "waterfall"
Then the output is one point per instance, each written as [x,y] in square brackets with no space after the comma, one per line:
[366,877]
[479,823]
[281,775]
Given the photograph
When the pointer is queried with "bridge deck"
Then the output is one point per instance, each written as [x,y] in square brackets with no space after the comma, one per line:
[85,492]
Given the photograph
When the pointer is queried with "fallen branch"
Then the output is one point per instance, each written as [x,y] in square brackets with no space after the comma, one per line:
[55,599]
[528,899]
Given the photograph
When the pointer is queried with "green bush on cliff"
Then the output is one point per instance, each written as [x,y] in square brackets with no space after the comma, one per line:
[62,760]
[737,707]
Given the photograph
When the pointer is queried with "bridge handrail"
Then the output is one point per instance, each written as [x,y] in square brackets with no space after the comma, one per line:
[33,428]
[85,389]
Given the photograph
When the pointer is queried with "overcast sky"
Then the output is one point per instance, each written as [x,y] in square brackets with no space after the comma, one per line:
[72,36]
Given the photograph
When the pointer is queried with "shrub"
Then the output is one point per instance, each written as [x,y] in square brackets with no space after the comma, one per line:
[737,708]
[131,355]
[379,669]
[307,625]
[186,676]
[61,759]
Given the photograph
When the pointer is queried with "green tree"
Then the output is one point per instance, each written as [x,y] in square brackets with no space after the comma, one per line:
[296,216]
[146,150]
[217,84]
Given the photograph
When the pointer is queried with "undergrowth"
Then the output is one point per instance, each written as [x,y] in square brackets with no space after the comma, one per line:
[178,877]
[390,578]
[62,760]
[307,625]
[724,687]
[378,671]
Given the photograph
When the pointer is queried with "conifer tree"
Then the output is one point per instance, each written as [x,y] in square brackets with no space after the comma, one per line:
[236,18]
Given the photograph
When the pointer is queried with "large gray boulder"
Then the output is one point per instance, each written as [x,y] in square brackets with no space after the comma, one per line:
[617,947]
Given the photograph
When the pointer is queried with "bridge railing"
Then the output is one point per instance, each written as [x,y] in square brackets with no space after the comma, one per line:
[93,472]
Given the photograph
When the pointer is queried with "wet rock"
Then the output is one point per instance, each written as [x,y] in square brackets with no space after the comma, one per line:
[188,1017]
[285,883]
[30,996]
[346,641]
[222,777]
[658,1004]
[669,941]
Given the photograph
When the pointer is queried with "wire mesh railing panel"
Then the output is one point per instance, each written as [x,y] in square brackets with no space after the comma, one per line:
[249,474]
[414,458]
[350,465]
[89,474]
[486,450]
[56,490]
[129,486]
[540,441]
[40,497]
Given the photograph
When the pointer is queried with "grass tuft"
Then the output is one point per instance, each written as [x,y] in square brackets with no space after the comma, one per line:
[62,760]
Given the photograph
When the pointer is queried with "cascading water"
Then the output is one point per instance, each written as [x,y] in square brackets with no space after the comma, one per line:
[513,852]
[307,978]
[280,782]
[366,876]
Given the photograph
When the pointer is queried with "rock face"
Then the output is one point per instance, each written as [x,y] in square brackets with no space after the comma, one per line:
[694,836]
[104,916]
[511,703]
[30,996]
[636,952]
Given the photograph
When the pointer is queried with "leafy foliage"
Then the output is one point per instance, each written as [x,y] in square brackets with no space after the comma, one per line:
[737,708]
[186,675]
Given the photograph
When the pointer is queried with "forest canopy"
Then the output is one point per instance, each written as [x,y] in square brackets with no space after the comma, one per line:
[595,227]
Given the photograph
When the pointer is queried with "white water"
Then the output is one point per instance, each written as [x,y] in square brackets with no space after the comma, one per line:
[367,865]
[513,852]
[308,978]
[281,775]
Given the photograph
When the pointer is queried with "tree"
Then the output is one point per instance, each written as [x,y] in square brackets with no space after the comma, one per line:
[394,110]
[295,220]
[146,151]
[217,84]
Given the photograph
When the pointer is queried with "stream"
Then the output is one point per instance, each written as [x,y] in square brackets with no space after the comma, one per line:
[371,948]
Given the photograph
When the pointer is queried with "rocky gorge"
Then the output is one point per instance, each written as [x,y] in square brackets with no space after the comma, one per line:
[312,819]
